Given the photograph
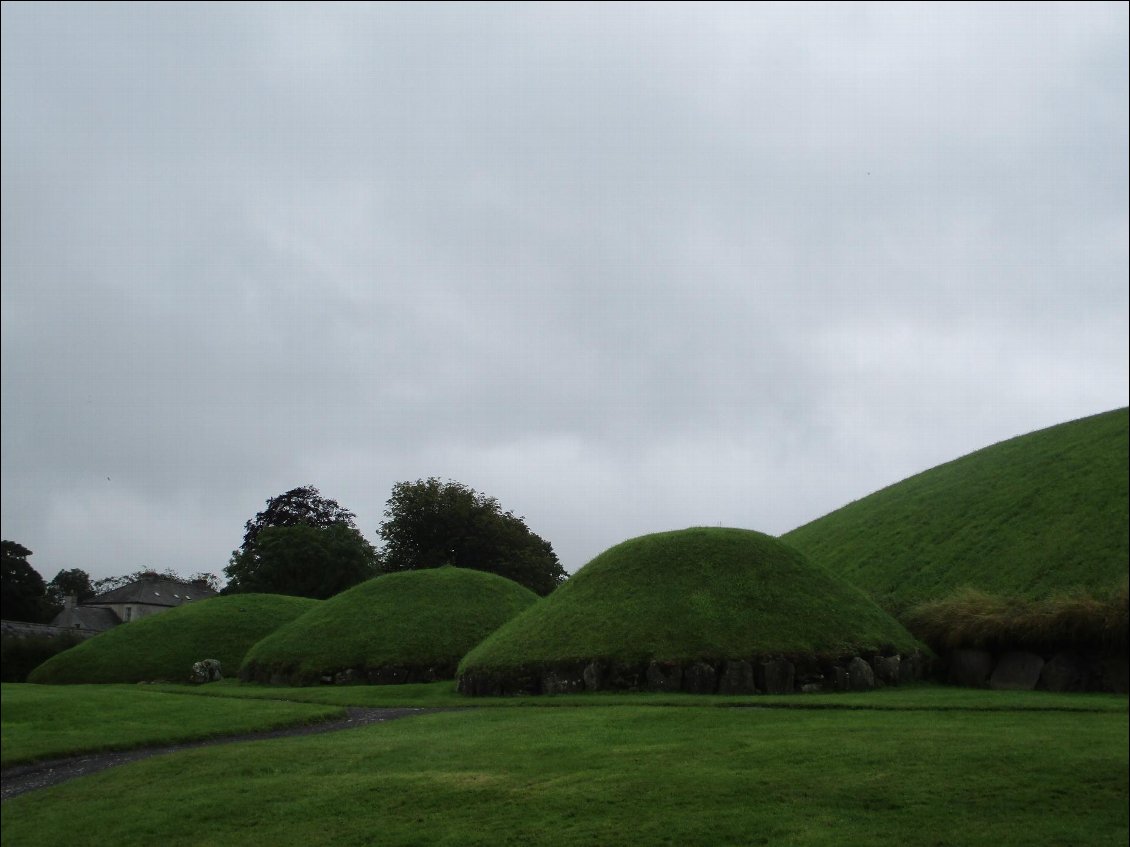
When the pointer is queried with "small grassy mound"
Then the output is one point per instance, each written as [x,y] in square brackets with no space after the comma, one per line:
[165,646]
[1037,515]
[412,626]
[696,594]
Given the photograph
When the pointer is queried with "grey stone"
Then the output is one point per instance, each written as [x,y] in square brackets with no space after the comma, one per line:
[776,676]
[1016,670]
[1114,674]
[887,668]
[593,675]
[207,670]
[562,682]
[737,678]
[910,668]
[664,676]
[861,676]
[970,667]
[700,678]
[1065,671]
[838,678]
[345,677]
[388,675]
[626,677]
[811,688]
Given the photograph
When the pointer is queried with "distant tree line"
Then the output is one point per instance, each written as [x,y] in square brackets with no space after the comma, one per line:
[305,544]
[308,545]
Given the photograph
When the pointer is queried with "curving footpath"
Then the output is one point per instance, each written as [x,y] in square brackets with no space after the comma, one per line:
[24,778]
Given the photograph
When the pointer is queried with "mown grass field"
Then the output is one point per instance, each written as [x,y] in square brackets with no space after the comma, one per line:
[45,722]
[1035,515]
[917,766]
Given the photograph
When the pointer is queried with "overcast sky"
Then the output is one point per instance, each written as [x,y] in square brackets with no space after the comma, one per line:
[627,268]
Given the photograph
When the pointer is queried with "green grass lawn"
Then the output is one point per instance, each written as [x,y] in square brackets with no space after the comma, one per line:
[45,722]
[620,775]
[923,696]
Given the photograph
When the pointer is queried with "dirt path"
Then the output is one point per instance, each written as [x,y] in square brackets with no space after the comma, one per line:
[23,778]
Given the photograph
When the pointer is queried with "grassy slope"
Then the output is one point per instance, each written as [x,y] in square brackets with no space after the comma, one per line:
[619,776]
[696,593]
[1037,514]
[414,618]
[43,722]
[165,646]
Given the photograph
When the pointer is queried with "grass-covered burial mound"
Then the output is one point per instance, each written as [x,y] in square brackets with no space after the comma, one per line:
[166,646]
[412,626]
[703,610]
[1029,518]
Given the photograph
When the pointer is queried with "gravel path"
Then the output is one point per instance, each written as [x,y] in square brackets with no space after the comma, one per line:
[23,778]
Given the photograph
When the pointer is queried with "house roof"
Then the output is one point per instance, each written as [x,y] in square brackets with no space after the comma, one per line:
[154,591]
[91,618]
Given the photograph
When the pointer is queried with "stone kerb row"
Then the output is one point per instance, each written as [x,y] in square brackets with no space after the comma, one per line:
[385,675]
[760,675]
[1021,670]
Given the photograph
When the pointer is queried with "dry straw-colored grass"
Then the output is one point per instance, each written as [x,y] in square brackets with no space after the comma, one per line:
[969,617]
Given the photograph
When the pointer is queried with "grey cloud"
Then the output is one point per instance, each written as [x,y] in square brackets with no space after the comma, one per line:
[624,267]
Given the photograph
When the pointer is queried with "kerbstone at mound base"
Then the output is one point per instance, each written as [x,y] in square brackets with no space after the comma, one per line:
[970,667]
[1016,671]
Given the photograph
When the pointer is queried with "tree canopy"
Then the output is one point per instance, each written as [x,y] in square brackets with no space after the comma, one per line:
[302,544]
[74,582]
[22,592]
[303,561]
[430,523]
[302,505]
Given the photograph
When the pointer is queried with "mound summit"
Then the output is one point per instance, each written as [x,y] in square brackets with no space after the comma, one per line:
[701,609]
[411,626]
[165,646]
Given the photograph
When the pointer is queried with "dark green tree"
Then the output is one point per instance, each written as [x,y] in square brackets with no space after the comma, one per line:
[302,560]
[430,523]
[69,583]
[22,592]
[336,555]
[302,505]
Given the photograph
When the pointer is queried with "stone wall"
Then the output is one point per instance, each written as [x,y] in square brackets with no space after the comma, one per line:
[757,675]
[22,629]
[359,675]
[1023,670]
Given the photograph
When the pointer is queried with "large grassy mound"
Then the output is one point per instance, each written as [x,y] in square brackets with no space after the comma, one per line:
[1038,514]
[165,646]
[411,626]
[705,594]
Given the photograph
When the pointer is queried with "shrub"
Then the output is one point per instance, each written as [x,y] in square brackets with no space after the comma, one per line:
[1077,619]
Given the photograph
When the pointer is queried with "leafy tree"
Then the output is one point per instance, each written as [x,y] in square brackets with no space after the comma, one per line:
[302,505]
[430,523]
[22,591]
[337,555]
[302,560]
[69,583]
[208,580]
